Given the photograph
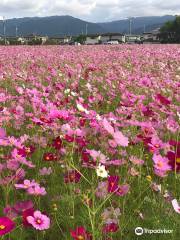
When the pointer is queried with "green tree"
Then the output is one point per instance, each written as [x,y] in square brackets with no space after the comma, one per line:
[80,39]
[170,32]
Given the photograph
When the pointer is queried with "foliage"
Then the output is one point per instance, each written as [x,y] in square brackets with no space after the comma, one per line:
[170,32]
[80,39]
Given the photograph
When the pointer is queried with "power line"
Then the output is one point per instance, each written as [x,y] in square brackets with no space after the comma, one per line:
[4,29]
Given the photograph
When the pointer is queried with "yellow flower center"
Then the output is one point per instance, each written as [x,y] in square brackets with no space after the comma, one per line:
[72,177]
[2,227]
[28,150]
[112,184]
[157,145]
[160,164]
[178,160]
[38,221]
[80,237]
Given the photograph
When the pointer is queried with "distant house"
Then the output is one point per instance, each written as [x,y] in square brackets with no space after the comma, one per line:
[110,37]
[21,40]
[33,37]
[133,38]
[61,40]
[93,39]
[151,36]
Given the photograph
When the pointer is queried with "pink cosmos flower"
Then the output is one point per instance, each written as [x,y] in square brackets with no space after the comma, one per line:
[6,225]
[101,191]
[122,190]
[26,184]
[107,126]
[97,156]
[45,171]
[36,190]
[136,161]
[39,221]
[155,145]
[161,163]
[120,139]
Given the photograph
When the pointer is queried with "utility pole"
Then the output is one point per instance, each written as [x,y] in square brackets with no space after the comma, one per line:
[16,31]
[130,26]
[4,29]
[86,29]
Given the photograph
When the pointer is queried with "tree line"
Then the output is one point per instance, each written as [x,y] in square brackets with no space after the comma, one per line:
[170,31]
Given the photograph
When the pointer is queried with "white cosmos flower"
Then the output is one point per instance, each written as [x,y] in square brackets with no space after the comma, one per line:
[67,91]
[175,205]
[82,109]
[101,171]
[98,117]
[73,94]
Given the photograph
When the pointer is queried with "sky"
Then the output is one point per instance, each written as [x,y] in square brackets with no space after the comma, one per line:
[89,10]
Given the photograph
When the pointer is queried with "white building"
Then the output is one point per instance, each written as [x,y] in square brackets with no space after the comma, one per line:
[105,38]
[151,36]
[93,39]
[110,37]
[133,38]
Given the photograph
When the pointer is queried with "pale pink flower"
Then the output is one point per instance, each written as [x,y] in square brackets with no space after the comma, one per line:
[133,172]
[39,221]
[26,184]
[176,205]
[120,139]
[161,163]
[107,126]
[45,171]
[36,190]
[136,161]
[122,190]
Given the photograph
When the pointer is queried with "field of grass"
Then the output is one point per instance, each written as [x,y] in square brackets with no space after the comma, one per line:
[89,136]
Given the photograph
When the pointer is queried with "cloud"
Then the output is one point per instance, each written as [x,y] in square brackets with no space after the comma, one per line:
[92,10]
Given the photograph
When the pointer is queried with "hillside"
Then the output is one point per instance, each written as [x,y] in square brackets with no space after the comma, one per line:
[67,25]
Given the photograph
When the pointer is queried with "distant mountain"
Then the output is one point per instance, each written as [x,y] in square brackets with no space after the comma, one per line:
[50,26]
[67,25]
[139,24]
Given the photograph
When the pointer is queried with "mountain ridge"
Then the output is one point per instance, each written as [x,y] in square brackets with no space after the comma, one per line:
[68,25]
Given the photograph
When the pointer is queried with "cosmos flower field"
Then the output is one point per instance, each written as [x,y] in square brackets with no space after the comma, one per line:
[89,142]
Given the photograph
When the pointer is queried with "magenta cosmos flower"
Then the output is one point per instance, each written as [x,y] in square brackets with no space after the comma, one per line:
[6,225]
[113,183]
[39,221]
[174,156]
[110,228]
[72,176]
[80,233]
